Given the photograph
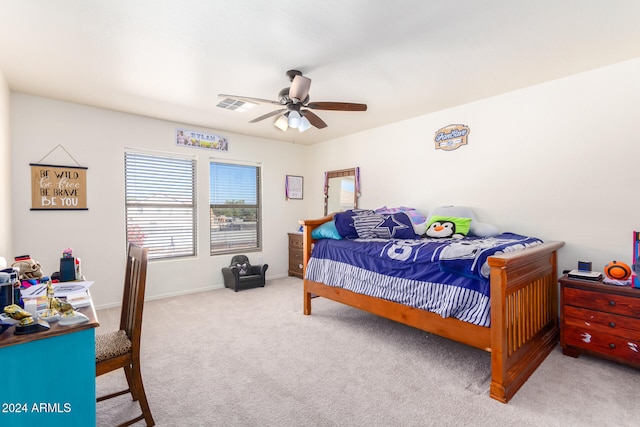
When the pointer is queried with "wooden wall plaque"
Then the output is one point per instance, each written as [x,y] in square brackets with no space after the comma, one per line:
[58,187]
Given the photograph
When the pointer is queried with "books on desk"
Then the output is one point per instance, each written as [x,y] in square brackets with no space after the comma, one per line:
[75,293]
[79,299]
[42,303]
[34,291]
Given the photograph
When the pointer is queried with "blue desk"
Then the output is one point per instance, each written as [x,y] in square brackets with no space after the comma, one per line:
[49,378]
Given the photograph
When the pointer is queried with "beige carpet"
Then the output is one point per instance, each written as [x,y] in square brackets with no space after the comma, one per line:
[251,358]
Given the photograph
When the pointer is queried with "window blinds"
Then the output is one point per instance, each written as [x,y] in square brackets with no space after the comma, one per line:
[160,196]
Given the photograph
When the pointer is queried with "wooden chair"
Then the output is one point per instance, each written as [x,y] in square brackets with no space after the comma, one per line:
[121,349]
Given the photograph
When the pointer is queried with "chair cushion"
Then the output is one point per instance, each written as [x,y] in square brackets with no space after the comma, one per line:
[112,344]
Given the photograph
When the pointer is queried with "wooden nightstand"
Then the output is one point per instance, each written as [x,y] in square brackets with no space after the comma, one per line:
[599,319]
[295,255]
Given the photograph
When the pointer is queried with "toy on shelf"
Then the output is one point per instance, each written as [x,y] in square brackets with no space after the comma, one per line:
[617,270]
[29,268]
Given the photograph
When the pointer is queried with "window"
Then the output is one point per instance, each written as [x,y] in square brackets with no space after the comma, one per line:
[160,194]
[234,206]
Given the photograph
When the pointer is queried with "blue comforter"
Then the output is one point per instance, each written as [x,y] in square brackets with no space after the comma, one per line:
[448,277]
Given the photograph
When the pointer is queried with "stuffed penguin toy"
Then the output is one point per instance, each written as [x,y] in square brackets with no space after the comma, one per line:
[443,230]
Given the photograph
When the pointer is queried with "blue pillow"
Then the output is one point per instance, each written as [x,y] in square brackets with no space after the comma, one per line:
[327,230]
[344,222]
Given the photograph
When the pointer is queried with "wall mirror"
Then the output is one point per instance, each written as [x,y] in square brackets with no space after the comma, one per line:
[341,190]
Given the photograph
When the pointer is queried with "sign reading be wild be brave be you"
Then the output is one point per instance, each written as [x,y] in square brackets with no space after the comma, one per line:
[58,187]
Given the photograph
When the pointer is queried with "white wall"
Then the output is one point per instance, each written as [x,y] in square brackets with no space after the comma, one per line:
[5,170]
[97,139]
[558,161]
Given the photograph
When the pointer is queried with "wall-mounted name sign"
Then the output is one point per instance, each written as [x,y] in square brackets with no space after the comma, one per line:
[451,137]
[58,187]
[192,138]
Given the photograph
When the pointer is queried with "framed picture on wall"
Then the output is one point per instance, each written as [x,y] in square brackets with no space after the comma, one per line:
[293,187]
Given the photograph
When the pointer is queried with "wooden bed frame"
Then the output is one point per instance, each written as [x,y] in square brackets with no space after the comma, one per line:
[524,312]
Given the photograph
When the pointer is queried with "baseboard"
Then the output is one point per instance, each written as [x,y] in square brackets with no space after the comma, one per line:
[185,292]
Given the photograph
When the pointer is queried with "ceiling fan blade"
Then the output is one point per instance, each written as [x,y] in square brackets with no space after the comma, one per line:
[250,99]
[266,116]
[282,123]
[314,119]
[337,106]
[299,87]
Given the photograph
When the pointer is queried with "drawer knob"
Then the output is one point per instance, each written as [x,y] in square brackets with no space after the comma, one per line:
[300,266]
[612,303]
[612,324]
[612,345]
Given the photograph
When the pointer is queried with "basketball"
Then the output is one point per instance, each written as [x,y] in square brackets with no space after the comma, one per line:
[617,270]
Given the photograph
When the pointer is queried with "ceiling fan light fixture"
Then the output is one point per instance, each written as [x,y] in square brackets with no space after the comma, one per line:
[281,123]
[294,119]
[304,124]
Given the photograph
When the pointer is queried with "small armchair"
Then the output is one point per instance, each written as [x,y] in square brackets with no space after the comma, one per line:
[242,275]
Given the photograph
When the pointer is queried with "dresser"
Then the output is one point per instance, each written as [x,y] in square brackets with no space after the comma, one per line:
[599,319]
[295,255]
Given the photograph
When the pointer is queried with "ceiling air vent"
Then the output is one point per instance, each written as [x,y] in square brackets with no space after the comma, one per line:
[234,104]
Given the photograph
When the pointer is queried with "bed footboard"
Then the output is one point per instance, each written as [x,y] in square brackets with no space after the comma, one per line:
[524,315]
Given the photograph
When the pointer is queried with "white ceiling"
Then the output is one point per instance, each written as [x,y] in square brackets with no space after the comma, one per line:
[403,58]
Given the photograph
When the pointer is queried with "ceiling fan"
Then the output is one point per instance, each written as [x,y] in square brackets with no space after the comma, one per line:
[296,109]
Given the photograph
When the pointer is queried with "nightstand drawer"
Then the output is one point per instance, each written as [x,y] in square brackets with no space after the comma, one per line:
[296,267]
[609,345]
[295,241]
[618,304]
[593,321]
[295,258]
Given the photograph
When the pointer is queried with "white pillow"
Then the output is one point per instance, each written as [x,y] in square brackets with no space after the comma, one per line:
[420,229]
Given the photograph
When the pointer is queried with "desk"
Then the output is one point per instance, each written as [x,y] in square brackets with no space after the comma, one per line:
[49,378]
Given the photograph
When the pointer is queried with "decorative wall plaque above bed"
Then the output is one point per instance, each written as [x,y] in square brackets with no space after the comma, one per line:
[451,137]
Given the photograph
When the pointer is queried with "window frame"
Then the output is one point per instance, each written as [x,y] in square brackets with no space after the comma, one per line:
[214,248]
